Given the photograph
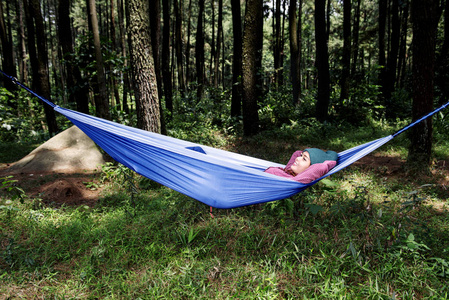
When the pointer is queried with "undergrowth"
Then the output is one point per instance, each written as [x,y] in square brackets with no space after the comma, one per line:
[358,235]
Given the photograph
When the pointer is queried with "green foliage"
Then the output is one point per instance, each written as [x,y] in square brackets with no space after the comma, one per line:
[20,123]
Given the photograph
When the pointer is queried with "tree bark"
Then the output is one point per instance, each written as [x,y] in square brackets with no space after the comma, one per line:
[252,57]
[166,70]
[199,51]
[7,55]
[23,70]
[322,61]
[101,100]
[425,15]
[355,39]
[277,42]
[126,81]
[178,43]
[381,37]
[236,104]
[73,77]
[39,59]
[294,52]
[219,41]
[346,57]
[155,29]
[390,72]
[146,94]
[443,61]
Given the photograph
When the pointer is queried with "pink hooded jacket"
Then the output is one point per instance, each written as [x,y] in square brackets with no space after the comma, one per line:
[312,173]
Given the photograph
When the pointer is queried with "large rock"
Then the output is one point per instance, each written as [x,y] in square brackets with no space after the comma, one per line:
[70,151]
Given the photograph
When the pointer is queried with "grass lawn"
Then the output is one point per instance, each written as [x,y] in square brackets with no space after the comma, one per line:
[370,232]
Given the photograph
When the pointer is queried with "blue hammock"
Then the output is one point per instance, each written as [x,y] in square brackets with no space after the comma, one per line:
[218,178]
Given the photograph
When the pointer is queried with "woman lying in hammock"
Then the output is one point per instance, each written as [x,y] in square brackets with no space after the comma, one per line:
[307,166]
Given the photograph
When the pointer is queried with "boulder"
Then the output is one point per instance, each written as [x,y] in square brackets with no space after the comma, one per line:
[70,151]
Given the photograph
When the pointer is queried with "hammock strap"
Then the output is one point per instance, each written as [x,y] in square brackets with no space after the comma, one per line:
[15,81]
[420,119]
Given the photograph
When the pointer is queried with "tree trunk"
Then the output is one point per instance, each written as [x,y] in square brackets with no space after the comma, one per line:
[277,42]
[113,31]
[294,53]
[322,61]
[443,61]
[381,36]
[218,48]
[236,104]
[425,15]
[355,38]
[23,70]
[155,29]
[212,42]
[402,57]
[146,94]
[126,83]
[39,59]
[252,57]
[346,59]
[166,71]
[188,75]
[390,76]
[178,43]
[7,55]
[73,76]
[199,51]
[101,100]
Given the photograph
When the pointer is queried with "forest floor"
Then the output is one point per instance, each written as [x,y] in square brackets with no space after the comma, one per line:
[72,188]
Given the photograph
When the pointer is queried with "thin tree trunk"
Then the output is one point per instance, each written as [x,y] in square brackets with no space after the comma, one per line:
[23,70]
[7,55]
[166,70]
[101,101]
[277,42]
[346,57]
[236,104]
[199,52]
[322,61]
[178,43]
[155,29]
[443,61]
[39,59]
[188,75]
[390,76]
[355,38]
[219,41]
[212,42]
[294,53]
[381,36]
[73,76]
[115,45]
[126,83]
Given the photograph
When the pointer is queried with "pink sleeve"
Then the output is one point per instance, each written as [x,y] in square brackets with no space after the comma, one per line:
[279,172]
[315,171]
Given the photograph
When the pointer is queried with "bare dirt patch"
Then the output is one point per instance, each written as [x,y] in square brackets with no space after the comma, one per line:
[57,189]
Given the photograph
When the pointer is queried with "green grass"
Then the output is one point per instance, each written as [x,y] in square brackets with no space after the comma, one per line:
[367,237]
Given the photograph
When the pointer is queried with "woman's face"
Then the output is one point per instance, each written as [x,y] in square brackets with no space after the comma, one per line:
[301,163]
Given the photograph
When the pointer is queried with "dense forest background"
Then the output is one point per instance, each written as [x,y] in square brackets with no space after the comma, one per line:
[244,66]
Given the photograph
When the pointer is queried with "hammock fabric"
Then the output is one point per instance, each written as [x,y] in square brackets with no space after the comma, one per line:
[218,178]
